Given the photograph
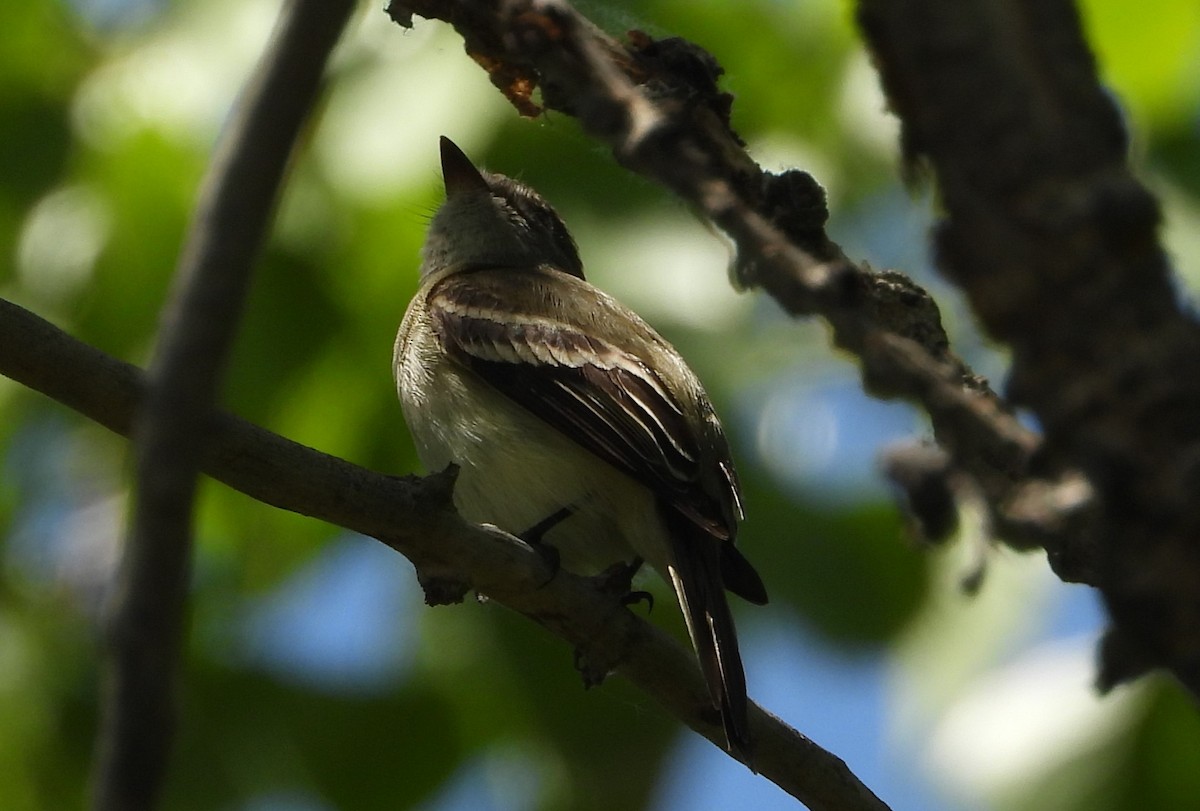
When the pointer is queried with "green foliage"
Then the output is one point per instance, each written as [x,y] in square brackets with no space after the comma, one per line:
[106,129]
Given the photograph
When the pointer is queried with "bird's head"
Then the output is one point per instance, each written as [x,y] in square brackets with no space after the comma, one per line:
[489,220]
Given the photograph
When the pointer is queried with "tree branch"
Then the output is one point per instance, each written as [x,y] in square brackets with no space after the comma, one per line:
[199,323]
[657,105]
[416,517]
[1048,233]
[1054,242]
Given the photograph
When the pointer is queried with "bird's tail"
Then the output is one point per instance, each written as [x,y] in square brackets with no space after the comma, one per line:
[695,571]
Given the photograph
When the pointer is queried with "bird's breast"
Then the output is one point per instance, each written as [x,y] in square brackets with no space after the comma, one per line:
[515,469]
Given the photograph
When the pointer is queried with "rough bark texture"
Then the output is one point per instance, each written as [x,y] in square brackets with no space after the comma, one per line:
[1046,230]
[657,104]
[1054,242]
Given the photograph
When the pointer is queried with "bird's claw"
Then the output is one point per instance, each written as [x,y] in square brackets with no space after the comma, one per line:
[632,598]
[617,580]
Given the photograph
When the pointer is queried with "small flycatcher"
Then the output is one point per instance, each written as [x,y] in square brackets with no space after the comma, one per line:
[569,417]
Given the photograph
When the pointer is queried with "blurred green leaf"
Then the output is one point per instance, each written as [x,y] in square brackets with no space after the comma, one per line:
[246,735]
[849,572]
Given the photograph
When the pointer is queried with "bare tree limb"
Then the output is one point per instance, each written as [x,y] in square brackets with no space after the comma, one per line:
[236,203]
[416,517]
[657,105]
[1054,242]
[1049,234]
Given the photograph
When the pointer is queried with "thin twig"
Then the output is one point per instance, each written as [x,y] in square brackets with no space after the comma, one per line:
[236,203]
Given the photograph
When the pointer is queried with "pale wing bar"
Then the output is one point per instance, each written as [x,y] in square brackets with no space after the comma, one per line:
[605,399]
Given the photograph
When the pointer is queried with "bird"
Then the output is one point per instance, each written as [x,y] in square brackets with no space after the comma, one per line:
[574,425]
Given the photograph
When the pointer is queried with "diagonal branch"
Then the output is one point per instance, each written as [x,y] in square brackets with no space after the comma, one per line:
[658,106]
[1054,242]
[236,202]
[416,517]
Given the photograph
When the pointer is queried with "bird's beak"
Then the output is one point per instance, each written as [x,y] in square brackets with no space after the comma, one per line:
[459,173]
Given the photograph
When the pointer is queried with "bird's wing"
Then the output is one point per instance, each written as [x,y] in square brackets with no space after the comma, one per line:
[613,403]
[601,396]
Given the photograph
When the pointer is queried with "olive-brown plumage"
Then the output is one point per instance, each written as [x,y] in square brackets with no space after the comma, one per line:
[550,394]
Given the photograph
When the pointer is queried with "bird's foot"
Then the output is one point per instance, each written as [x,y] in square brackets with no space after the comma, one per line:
[617,580]
[593,664]
[535,536]
[634,597]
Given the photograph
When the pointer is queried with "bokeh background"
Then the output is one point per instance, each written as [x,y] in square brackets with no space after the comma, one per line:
[315,677]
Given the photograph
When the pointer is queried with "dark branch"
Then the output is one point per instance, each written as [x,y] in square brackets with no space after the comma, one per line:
[657,105]
[1048,233]
[416,517]
[236,203]
[1054,242]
